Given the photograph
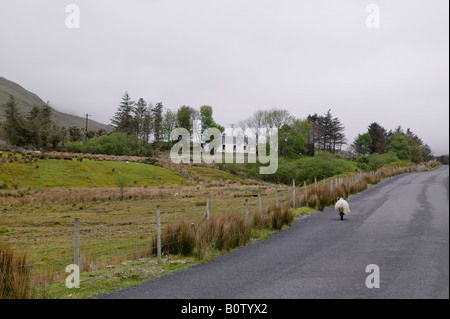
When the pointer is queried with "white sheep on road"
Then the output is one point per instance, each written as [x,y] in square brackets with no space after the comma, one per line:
[342,207]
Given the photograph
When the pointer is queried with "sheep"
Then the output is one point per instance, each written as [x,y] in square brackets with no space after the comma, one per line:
[342,207]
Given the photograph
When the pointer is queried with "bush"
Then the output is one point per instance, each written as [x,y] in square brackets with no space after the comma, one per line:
[363,162]
[113,144]
[322,165]
[305,168]
[150,161]
[389,159]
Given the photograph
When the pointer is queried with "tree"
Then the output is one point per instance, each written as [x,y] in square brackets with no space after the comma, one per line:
[327,122]
[296,134]
[255,123]
[121,182]
[327,132]
[316,130]
[277,118]
[157,114]
[89,134]
[184,117]
[140,112]
[148,124]
[55,137]
[408,146]
[378,135]
[123,118]
[37,137]
[401,145]
[75,134]
[101,132]
[337,136]
[169,123]
[207,120]
[14,129]
[427,153]
[444,159]
[362,143]
[36,130]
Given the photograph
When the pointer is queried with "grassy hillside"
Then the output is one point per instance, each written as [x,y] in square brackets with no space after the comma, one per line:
[26,99]
[300,167]
[50,173]
[213,173]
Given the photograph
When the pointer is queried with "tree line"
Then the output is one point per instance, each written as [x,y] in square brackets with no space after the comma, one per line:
[37,129]
[143,128]
[327,132]
[406,145]
[152,123]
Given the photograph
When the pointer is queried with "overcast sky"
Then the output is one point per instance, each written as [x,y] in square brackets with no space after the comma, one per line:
[239,56]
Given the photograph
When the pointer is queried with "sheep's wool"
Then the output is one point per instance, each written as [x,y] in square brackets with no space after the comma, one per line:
[342,206]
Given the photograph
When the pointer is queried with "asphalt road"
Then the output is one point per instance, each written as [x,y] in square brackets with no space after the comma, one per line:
[401,225]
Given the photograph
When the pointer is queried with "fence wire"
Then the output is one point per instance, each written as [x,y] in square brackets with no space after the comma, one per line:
[109,244]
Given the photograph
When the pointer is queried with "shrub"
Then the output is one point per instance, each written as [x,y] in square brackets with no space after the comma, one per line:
[113,144]
[389,159]
[150,161]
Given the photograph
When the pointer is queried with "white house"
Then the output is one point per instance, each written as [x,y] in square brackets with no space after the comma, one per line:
[234,140]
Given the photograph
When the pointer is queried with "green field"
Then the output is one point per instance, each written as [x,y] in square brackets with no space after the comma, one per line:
[117,238]
[51,173]
[213,173]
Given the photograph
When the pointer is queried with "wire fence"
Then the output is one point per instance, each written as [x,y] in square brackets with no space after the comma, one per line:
[105,245]
[100,246]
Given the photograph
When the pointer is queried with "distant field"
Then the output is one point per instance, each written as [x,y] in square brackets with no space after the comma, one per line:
[53,173]
[40,221]
[213,173]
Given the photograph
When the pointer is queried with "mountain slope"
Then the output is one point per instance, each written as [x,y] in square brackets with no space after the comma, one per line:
[26,99]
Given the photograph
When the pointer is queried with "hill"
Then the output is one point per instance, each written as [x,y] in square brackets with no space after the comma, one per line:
[51,173]
[26,99]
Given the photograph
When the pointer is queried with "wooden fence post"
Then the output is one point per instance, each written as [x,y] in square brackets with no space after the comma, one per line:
[306,193]
[293,193]
[76,250]
[246,208]
[208,205]
[158,233]
[260,206]
[276,197]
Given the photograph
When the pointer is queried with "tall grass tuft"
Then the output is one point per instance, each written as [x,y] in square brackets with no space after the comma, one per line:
[281,215]
[15,274]
[222,232]
[176,239]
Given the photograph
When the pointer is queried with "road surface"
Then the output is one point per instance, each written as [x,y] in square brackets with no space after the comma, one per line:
[401,225]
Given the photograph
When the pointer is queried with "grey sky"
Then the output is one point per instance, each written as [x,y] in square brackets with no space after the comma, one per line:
[239,56]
